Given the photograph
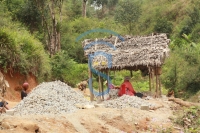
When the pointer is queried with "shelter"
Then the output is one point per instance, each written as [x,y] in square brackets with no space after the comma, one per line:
[145,53]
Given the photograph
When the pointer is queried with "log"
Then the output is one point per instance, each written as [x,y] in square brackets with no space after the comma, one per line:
[183,103]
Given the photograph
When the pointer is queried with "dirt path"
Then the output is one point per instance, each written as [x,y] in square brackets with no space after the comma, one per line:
[96,120]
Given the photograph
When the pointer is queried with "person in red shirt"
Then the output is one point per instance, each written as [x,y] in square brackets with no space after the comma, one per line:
[126,88]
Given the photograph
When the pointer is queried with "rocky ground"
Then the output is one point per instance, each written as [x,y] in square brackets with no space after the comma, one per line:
[51,108]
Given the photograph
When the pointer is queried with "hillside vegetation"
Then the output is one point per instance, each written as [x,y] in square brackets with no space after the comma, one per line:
[40,37]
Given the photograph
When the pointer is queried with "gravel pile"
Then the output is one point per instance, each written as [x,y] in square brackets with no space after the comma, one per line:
[126,101]
[50,98]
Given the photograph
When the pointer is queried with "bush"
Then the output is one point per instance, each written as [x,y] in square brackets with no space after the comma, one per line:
[181,71]
[189,119]
[67,70]
[20,52]
[195,35]
[163,26]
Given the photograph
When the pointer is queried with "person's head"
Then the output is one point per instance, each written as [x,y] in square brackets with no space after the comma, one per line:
[126,78]
[25,86]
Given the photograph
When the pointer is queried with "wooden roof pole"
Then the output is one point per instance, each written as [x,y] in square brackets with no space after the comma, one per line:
[131,73]
[153,80]
[156,82]
[101,86]
[91,91]
[108,74]
[160,91]
[114,75]
[159,73]
[102,89]
[150,80]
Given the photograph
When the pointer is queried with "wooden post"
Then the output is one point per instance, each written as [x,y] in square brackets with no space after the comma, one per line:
[91,91]
[108,74]
[153,80]
[156,72]
[160,91]
[131,72]
[99,88]
[159,73]
[150,75]
[102,88]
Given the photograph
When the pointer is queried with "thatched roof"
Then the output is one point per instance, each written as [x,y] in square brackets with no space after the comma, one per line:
[128,53]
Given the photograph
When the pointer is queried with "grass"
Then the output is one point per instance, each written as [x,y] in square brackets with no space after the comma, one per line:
[194,98]
[139,83]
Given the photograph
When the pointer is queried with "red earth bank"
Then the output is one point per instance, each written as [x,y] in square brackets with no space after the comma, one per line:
[17,79]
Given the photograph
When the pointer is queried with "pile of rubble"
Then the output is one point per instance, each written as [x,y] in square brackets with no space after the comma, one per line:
[59,98]
[50,98]
[127,101]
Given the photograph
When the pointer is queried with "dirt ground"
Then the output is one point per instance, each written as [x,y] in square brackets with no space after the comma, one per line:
[95,120]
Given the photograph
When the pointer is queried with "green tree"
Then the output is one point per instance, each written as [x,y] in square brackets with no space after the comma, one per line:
[73,9]
[163,26]
[128,13]
[181,70]
[192,21]
[51,13]
[30,16]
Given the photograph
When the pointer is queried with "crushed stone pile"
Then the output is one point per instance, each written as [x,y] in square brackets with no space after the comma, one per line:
[127,101]
[50,98]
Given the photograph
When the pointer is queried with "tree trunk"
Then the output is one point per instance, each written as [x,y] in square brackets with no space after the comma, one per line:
[53,40]
[53,34]
[84,8]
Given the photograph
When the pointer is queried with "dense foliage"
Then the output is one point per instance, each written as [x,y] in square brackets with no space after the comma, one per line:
[128,13]
[181,70]
[21,52]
